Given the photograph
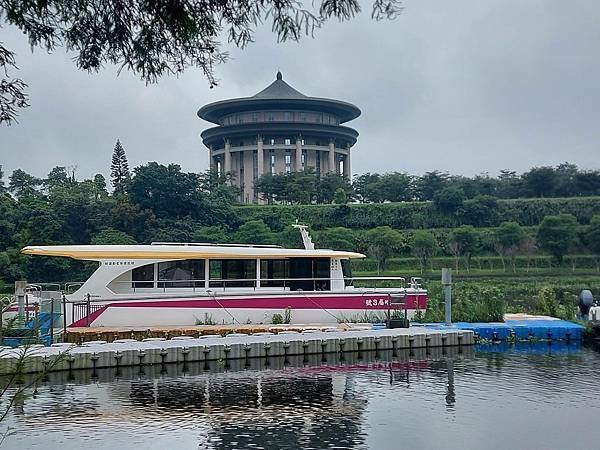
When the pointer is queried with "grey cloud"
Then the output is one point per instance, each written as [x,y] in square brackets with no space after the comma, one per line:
[463,86]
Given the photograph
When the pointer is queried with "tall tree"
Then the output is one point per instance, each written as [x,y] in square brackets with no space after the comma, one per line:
[541,181]
[463,242]
[57,179]
[159,37]
[509,237]
[381,243]
[423,246]
[557,234]
[430,183]
[21,184]
[119,170]
[99,183]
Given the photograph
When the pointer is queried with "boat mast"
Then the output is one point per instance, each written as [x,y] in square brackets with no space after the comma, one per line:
[306,239]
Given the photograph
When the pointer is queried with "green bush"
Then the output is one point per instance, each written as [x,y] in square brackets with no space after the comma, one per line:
[410,215]
[277,319]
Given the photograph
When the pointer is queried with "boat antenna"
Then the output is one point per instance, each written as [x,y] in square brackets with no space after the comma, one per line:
[306,239]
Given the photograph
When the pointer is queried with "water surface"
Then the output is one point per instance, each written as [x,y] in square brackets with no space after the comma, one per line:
[494,398]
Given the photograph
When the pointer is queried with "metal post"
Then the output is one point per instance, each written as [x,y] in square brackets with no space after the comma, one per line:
[20,294]
[51,321]
[64,300]
[87,313]
[447,286]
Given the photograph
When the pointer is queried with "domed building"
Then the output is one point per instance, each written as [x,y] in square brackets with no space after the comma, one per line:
[278,130]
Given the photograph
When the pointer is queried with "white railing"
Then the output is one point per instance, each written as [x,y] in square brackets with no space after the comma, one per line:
[293,284]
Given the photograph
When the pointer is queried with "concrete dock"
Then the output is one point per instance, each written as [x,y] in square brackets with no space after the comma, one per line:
[232,347]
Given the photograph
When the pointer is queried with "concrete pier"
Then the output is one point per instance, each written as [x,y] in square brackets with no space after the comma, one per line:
[233,347]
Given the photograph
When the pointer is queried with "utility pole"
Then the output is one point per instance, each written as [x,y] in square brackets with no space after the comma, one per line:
[447,287]
[20,287]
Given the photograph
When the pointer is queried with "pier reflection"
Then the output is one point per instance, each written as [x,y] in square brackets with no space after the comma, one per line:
[293,402]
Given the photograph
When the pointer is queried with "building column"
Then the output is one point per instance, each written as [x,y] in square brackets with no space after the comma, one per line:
[211,160]
[298,165]
[348,167]
[332,167]
[260,157]
[227,155]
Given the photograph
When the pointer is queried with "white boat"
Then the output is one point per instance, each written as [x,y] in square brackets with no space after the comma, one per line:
[177,284]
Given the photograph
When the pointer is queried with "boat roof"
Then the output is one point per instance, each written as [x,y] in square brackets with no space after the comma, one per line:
[181,251]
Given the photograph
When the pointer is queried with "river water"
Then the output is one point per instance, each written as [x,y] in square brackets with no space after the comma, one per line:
[540,396]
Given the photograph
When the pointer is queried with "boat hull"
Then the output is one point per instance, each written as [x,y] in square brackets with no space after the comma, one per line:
[303,308]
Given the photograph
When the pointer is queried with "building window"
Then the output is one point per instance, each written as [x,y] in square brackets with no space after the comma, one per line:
[302,141]
[254,117]
[288,142]
[288,161]
[219,167]
[303,117]
[303,159]
[287,116]
[270,117]
[272,141]
[272,161]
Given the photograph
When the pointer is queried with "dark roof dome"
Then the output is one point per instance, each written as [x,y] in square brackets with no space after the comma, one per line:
[278,95]
[279,89]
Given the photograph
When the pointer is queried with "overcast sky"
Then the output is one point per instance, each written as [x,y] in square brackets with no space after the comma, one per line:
[456,85]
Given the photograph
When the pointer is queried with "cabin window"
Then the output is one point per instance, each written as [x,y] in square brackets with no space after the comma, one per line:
[232,272]
[181,274]
[310,274]
[143,277]
[347,272]
[273,272]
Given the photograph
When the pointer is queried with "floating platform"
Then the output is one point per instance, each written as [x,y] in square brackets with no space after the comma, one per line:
[79,335]
[235,346]
[521,328]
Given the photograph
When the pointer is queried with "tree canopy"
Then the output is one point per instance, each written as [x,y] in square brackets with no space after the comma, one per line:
[423,245]
[119,170]
[557,234]
[156,38]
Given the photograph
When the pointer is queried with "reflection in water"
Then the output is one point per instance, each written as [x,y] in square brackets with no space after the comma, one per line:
[366,401]
[450,396]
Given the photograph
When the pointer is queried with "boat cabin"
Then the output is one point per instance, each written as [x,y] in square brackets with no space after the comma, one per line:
[189,267]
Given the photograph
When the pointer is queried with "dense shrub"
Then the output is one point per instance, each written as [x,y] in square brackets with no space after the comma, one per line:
[409,215]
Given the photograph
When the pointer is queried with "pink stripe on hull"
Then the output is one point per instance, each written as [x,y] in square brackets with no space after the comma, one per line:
[334,302]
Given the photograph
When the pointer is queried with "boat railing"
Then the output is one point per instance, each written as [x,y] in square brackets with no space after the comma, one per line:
[72,286]
[305,284]
[36,289]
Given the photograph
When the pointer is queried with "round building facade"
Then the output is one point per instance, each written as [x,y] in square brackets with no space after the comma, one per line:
[278,130]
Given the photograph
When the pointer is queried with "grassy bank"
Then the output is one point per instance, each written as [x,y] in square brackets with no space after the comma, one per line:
[486,297]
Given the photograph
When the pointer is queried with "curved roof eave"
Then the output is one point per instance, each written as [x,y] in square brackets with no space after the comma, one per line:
[216,110]
[210,135]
